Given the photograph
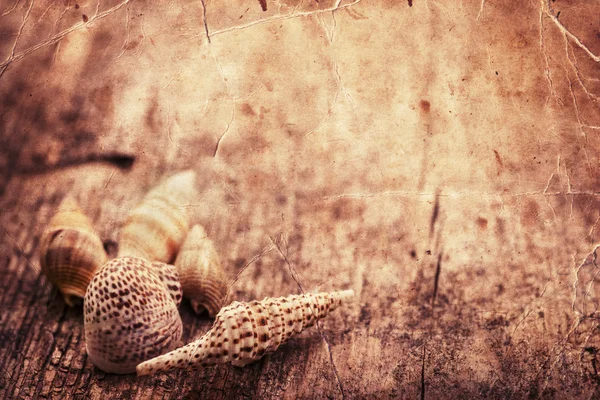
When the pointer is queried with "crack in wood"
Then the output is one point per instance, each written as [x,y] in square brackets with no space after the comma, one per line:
[436,280]
[423,374]
[434,215]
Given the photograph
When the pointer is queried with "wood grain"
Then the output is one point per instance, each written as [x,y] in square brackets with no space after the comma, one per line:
[438,158]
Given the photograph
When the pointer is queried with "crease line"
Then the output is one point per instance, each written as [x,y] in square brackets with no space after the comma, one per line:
[274,18]
[21,250]
[480,10]
[465,193]
[249,263]
[5,65]
[294,274]
[56,38]
[568,33]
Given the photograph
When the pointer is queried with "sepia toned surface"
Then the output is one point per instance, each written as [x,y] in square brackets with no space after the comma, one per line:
[440,158]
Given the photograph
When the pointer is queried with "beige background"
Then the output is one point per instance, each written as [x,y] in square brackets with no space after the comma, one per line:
[441,158]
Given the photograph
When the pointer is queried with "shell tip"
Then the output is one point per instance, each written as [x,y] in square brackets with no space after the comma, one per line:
[346,294]
[141,370]
[197,233]
[70,215]
[187,176]
[69,204]
[181,185]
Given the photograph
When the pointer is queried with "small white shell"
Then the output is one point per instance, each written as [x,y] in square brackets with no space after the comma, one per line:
[130,313]
[71,251]
[244,332]
[202,277]
[155,229]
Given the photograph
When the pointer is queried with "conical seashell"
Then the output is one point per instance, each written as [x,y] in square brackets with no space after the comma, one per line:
[71,251]
[130,313]
[244,332]
[155,229]
[202,277]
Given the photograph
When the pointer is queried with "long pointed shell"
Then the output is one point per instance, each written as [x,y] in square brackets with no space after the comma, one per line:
[244,332]
[202,277]
[71,251]
[130,313]
[155,229]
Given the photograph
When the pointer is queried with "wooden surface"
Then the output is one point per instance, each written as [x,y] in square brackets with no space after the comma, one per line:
[440,158]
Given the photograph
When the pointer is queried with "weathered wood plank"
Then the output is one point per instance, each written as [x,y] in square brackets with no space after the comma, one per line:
[440,159]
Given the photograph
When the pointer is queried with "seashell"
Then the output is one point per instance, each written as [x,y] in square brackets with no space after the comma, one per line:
[130,313]
[155,229]
[71,251]
[244,332]
[202,277]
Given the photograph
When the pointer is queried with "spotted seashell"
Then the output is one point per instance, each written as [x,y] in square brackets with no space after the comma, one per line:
[202,277]
[155,229]
[71,251]
[244,332]
[130,313]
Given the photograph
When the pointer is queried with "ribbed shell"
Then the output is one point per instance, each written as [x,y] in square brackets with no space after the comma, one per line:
[130,313]
[155,229]
[245,332]
[71,251]
[202,277]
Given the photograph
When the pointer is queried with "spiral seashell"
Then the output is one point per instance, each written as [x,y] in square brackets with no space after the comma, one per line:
[202,277]
[155,229]
[130,313]
[71,251]
[244,332]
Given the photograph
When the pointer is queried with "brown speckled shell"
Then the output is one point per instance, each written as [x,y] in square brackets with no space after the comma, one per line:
[71,251]
[155,229]
[130,313]
[202,277]
[244,332]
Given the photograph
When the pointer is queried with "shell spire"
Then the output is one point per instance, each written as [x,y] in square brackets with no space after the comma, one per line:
[71,251]
[155,229]
[202,277]
[245,332]
[130,313]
